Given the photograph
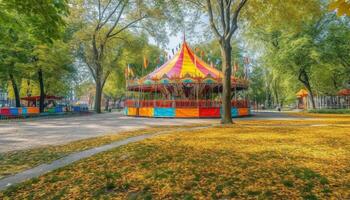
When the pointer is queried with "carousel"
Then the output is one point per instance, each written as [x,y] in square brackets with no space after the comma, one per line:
[184,87]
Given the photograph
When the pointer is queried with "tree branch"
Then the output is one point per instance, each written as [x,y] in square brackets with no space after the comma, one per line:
[235,18]
[105,78]
[211,20]
[110,15]
[228,9]
[197,3]
[222,14]
[99,11]
[91,69]
[105,8]
[127,26]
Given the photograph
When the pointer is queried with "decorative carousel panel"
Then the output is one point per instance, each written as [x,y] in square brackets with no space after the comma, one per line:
[133,111]
[148,82]
[209,112]
[243,111]
[209,80]
[164,112]
[187,112]
[187,80]
[146,112]
[234,112]
[164,81]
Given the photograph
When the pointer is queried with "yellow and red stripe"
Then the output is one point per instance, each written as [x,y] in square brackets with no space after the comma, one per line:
[184,63]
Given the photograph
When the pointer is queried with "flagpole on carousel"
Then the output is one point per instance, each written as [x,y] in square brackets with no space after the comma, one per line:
[127,83]
[246,76]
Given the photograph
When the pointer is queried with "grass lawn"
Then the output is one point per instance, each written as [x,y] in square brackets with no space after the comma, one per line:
[16,161]
[307,159]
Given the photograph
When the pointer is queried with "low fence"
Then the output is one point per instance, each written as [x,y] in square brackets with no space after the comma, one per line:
[10,113]
[332,102]
[183,103]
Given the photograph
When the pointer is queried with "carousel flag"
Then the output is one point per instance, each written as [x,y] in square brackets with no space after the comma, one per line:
[126,72]
[235,67]
[165,56]
[196,50]
[145,62]
[246,69]
[130,71]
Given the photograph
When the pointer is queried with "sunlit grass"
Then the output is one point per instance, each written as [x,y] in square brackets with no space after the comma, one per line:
[232,162]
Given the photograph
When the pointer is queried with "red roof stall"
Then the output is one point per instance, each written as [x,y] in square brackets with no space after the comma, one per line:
[33,101]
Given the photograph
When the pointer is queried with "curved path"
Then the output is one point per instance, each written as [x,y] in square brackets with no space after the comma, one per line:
[45,168]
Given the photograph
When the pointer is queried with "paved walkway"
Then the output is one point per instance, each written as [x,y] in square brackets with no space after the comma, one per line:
[45,168]
[24,134]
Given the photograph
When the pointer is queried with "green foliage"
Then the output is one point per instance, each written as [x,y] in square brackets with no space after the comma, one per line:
[45,17]
[31,34]
[310,52]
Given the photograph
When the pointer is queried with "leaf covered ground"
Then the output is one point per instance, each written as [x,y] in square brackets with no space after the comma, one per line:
[251,159]
[16,161]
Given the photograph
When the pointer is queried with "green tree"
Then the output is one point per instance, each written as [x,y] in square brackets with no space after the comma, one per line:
[25,24]
[223,20]
[100,36]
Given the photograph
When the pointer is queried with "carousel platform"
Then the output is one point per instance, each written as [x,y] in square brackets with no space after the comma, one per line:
[182,109]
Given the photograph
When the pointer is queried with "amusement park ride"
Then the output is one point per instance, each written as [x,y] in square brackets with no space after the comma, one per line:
[184,87]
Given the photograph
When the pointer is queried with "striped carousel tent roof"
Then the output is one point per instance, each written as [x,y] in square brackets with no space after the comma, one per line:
[185,64]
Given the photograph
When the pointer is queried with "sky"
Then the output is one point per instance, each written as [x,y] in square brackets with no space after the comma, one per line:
[192,36]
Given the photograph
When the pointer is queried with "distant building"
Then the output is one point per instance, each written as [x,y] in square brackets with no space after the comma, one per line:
[3,98]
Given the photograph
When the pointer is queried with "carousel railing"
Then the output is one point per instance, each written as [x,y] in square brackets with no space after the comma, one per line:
[183,103]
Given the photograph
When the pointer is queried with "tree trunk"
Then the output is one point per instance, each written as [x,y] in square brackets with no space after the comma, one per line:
[98,96]
[226,50]
[275,90]
[114,102]
[42,91]
[107,104]
[304,78]
[15,90]
[308,87]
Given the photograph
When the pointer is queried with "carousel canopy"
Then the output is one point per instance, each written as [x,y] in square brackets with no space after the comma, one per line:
[185,64]
[344,92]
[184,68]
[302,93]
